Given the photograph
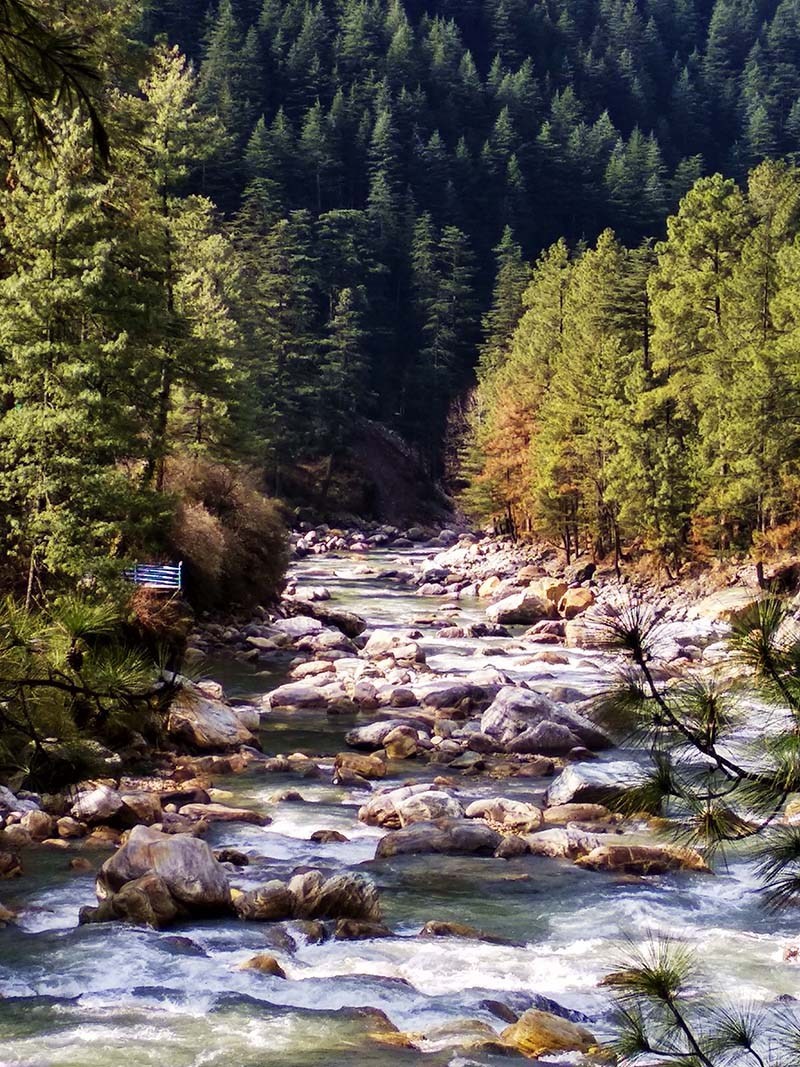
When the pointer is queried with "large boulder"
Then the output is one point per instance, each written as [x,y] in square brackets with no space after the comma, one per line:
[515,814]
[39,825]
[382,808]
[525,608]
[186,865]
[205,724]
[347,621]
[369,767]
[538,1033]
[426,807]
[296,695]
[10,865]
[272,902]
[445,836]
[146,901]
[385,643]
[561,843]
[642,859]
[401,743]
[594,783]
[95,806]
[223,813]
[546,738]
[343,896]
[515,710]
[372,736]
[575,601]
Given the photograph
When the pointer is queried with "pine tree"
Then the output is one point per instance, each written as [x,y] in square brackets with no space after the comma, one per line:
[500,321]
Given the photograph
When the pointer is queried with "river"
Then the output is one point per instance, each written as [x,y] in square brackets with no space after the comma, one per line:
[117,996]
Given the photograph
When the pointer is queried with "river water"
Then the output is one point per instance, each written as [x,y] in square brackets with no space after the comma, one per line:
[116,996]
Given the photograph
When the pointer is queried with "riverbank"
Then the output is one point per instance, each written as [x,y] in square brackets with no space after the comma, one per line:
[543,925]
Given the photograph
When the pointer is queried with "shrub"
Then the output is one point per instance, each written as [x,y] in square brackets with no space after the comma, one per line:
[230,536]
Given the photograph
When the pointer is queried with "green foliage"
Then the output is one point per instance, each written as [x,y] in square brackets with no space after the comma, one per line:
[663,414]
[666,1015]
[718,791]
[69,682]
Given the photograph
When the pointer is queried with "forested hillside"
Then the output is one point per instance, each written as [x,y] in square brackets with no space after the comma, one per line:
[652,395]
[382,155]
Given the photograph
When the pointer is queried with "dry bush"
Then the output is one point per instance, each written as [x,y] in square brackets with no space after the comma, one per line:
[230,536]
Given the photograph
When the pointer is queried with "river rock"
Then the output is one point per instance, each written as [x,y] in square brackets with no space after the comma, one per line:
[343,896]
[139,808]
[580,633]
[561,843]
[295,695]
[298,626]
[204,724]
[385,643]
[69,827]
[511,846]
[561,814]
[525,607]
[10,865]
[39,824]
[401,743]
[369,767]
[444,836]
[427,807]
[381,809]
[515,710]
[359,930]
[272,902]
[575,601]
[146,901]
[372,736]
[97,805]
[348,622]
[642,859]
[594,783]
[264,964]
[222,813]
[187,866]
[546,739]
[9,802]
[538,1033]
[512,813]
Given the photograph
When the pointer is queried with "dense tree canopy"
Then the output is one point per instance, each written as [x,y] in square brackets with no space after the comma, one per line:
[487,126]
[651,394]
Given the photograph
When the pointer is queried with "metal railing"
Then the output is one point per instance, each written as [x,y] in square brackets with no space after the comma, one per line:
[157,575]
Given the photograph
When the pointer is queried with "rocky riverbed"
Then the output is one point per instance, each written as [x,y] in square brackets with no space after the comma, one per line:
[382,829]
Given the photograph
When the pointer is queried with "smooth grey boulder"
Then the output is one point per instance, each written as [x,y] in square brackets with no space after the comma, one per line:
[594,783]
[371,737]
[185,864]
[97,805]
